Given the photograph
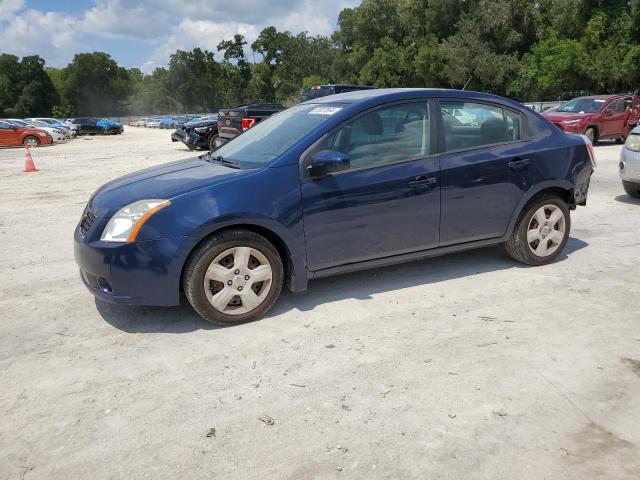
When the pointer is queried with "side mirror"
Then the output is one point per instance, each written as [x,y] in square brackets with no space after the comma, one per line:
[13,127]
[328,161]
[607,113]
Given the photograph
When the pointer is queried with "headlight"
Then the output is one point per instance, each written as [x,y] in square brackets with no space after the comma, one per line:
[201,129]
[633,143]
[127,222]
[570,122]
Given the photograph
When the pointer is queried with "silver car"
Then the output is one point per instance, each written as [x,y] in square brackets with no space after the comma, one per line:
[630,163]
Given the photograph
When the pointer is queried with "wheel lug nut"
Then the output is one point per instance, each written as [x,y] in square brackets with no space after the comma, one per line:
[237,272]
[246,277]
[229,282]
[239,289]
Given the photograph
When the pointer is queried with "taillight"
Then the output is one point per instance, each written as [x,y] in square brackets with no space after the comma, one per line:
[247,123]
[592,153]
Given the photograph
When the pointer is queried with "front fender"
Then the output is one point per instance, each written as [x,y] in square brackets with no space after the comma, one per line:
[292,242]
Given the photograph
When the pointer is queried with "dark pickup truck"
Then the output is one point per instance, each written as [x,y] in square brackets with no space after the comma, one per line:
[318,91]
[233,121]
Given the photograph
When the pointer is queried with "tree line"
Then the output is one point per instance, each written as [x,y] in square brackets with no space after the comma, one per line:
[542,50]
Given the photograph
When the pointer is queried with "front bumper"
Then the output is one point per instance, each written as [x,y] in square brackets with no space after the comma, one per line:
[141,273]
[629,167]
[191,139]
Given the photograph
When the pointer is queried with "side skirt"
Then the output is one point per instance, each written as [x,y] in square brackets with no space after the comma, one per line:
[405,257]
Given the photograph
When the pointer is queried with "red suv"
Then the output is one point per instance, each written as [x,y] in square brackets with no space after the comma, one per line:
[598,117]
[12,135]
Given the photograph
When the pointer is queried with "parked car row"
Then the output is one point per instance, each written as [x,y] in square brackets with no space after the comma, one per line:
[34,132]
[163,122]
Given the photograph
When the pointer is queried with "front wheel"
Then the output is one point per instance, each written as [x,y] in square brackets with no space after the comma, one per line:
[590,133]
[541,232]
[212,142]
[235,277]
[31,142]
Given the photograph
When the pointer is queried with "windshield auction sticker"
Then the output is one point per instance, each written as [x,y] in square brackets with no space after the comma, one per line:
[325,110]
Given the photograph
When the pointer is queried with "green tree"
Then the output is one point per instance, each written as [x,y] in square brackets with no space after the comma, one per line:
[25,88]
[95,85]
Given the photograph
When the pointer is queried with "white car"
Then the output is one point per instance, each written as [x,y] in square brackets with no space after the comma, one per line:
[153,123]
[141,122]
[56,135]
[630,163]
[59,124]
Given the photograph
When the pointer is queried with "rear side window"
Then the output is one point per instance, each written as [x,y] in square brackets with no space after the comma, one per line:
[472,125]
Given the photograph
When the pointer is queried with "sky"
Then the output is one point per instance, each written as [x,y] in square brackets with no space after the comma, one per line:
[143,33]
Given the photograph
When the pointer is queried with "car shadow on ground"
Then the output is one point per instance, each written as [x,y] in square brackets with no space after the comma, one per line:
[624,198]
[360,285]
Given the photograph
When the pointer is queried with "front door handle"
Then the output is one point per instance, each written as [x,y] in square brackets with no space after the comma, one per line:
[422,181]
[519,164]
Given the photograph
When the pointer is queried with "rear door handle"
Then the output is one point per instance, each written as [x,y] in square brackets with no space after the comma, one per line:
[518,164]
[422,181]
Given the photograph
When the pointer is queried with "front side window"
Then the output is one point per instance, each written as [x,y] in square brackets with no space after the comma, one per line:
[383,136]
[617,106]
[471,125]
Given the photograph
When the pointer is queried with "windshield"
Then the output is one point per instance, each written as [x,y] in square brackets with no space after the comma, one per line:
[272,137]
[583,105]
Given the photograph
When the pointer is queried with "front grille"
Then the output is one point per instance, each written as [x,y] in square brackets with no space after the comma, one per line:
[87,220]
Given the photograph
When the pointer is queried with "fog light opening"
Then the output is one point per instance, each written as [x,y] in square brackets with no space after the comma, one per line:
[104,285]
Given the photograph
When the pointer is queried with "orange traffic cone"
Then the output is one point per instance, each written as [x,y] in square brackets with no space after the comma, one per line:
[29,166]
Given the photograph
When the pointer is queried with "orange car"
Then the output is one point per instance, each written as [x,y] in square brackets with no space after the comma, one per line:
[11,135]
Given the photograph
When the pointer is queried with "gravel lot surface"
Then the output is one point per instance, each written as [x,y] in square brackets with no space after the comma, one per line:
[468,366]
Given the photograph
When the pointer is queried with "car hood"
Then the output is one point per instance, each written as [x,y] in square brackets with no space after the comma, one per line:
[201,123]
[561,116]
[161,182]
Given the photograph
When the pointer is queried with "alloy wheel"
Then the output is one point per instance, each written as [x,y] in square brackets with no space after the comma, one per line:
[546,230]
[238,280]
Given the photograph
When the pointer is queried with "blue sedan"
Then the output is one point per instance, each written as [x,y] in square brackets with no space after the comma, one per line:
[337,184]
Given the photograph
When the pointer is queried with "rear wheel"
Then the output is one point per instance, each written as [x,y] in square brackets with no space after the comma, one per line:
[541,231]
[31,141]
[234,277]
[633,190]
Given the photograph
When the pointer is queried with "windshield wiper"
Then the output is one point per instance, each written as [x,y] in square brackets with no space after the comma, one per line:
[209,157]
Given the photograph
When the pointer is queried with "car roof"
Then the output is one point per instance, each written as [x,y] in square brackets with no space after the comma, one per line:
[604,97]
[391,94]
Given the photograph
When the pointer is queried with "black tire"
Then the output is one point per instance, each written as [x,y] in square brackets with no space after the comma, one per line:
[632,189]
[592,135]
[201,258]
[517,246]
[212,141]
[31,141]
